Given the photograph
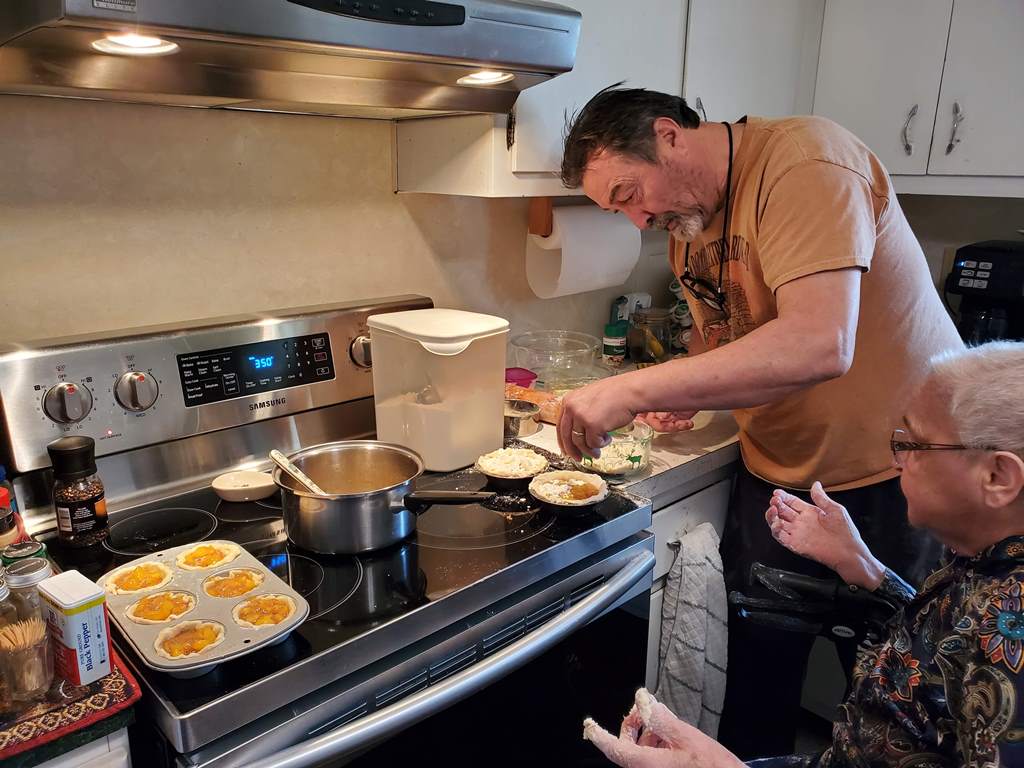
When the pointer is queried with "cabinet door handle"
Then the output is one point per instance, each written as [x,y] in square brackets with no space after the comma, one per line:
[700,108]
[908,145]
[958,117]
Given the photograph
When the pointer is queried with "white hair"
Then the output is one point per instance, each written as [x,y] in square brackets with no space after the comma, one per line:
[985,390]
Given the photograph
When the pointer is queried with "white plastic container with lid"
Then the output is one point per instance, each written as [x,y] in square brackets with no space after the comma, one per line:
[439,383]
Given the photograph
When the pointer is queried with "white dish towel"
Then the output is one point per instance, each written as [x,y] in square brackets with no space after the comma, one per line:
[694,634]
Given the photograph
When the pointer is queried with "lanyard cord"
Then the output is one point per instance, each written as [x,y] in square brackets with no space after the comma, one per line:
[725,223]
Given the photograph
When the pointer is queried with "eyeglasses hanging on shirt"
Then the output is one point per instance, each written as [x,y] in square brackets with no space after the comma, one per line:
[710,294]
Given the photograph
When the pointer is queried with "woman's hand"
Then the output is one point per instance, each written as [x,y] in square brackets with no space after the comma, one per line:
[652,737]
[668,421]
[823,532]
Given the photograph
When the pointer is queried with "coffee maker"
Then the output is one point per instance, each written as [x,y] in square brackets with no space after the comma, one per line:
[989,278]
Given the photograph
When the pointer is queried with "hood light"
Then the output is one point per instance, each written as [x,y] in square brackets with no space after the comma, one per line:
[486,77]
[131,44]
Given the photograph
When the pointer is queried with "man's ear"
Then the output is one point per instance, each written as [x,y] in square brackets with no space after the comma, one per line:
[1004,479]
[667,131]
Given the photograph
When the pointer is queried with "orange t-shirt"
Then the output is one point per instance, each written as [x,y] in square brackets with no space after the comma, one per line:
[808,197]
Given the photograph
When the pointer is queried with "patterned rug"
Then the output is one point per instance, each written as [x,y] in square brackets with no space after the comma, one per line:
[68,708]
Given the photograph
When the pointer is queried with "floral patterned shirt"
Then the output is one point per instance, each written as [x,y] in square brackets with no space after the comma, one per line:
[942,689]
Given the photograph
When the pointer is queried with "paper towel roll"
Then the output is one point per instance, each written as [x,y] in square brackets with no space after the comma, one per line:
[588,249]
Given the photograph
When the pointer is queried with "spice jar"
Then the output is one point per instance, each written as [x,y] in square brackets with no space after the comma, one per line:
[613,350]
[650,335]
[8,523]
[77,492]
[22,578]
[22,550]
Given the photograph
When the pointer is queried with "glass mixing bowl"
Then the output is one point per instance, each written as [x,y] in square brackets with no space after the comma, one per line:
[545,350]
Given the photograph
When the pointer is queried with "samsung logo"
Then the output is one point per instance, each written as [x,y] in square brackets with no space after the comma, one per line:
[267,404]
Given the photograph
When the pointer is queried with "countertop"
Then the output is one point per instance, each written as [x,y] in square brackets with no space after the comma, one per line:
[681,462]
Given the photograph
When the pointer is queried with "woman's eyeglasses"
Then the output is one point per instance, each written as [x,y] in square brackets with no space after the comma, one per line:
[900,443]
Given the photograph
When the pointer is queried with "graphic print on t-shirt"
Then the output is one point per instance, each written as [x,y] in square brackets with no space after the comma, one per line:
[717,327]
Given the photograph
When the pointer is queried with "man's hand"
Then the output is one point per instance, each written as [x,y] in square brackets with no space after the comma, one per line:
[652,737]
[668,421]
[590,413]
[823,532]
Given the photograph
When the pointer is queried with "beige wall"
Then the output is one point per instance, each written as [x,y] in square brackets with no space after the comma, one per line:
[115,215]
[949,222]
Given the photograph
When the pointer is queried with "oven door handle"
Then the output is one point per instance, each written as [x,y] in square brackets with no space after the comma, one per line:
[382,724]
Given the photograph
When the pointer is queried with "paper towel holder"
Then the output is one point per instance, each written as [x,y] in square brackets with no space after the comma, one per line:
[541,216]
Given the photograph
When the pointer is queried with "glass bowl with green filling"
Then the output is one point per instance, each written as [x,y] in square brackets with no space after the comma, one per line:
[627,455]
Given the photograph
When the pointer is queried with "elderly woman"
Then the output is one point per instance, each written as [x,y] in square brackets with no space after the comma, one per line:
[942,687]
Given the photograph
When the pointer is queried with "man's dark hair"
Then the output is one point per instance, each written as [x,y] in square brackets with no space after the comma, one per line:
[620,120]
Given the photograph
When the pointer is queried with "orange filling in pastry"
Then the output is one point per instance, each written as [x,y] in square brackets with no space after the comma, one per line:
[191,640]
[581,491]
[161,607]
[265,610]
[233,585]
[204,556]
[140,577]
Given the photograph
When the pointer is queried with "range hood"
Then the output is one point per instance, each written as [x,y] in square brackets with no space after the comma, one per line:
[353,58]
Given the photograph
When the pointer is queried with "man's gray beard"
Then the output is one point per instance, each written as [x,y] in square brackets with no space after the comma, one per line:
[689,225]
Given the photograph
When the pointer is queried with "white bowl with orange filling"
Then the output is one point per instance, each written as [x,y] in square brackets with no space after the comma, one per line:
[161,607]
[207,555]
[142,577]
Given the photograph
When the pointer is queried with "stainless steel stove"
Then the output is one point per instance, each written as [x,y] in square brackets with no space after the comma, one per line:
[484,603]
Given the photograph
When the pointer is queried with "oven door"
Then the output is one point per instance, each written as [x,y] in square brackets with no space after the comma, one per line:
[508,685]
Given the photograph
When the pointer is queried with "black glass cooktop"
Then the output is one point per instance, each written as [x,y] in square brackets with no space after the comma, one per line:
[452,548]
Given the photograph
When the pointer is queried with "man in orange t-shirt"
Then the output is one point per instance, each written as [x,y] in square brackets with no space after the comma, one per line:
[815,317]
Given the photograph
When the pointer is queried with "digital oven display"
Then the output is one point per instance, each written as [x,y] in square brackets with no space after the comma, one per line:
[214,375]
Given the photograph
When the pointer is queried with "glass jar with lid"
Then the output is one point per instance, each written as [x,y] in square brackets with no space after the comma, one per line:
[78,494]
[8,613]
[23,577]
[650,335]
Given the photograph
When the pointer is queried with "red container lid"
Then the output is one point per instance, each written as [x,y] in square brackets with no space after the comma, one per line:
[521,376]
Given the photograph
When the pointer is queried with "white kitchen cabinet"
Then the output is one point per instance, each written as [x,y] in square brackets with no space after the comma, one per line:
[880,60]
[470,155]
[879,71]
[751,58]
[984,79]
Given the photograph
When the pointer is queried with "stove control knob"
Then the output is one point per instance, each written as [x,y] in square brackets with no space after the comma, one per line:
[136,391]
[359,351]
[67,403]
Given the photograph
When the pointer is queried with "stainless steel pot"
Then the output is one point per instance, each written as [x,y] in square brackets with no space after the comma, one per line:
[370,503]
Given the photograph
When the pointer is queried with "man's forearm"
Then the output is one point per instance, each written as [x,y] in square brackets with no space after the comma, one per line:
[766,365]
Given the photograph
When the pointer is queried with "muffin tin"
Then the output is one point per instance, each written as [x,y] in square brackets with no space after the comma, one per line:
[237,640]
